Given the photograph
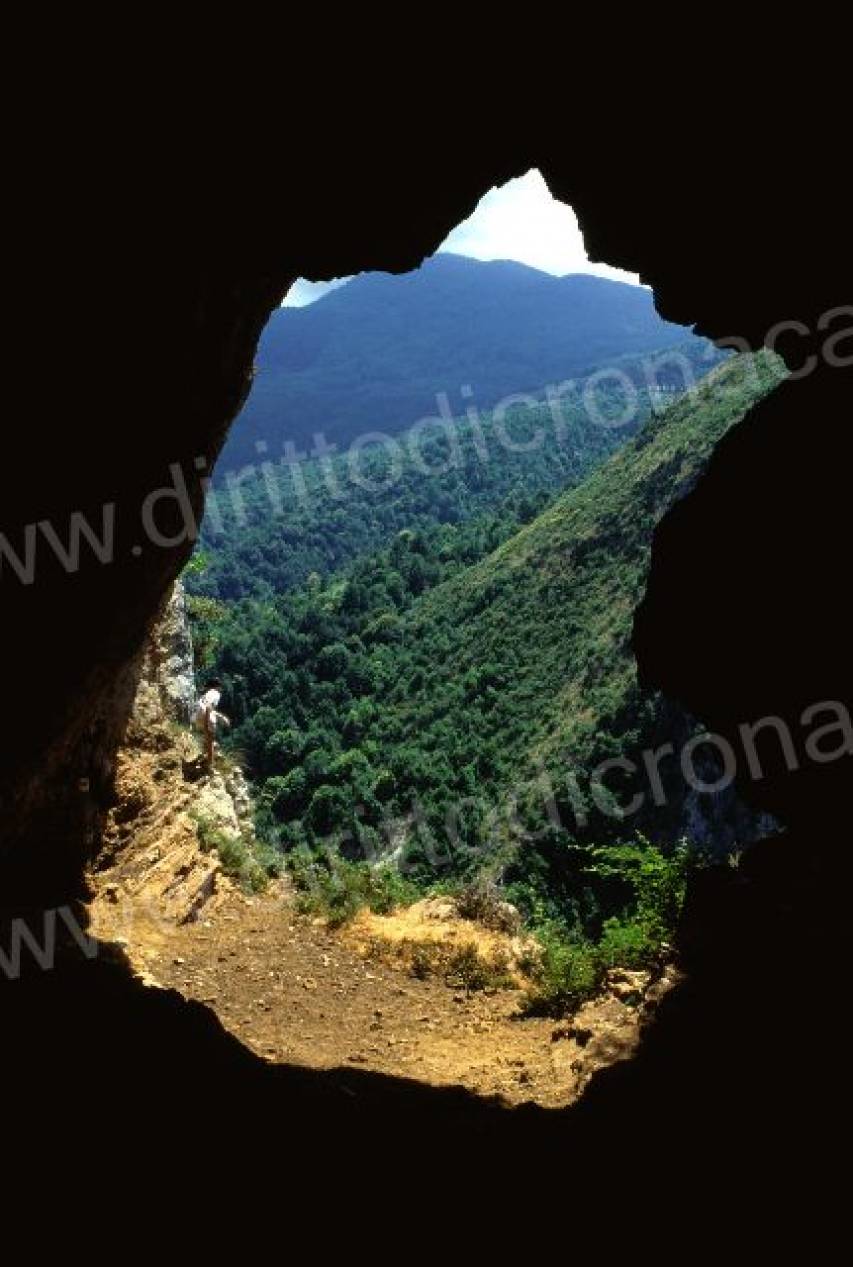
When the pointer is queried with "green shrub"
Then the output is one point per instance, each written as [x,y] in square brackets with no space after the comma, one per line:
[481,900]
[337,890]
[232,854]
[209,835]
[627,944]
[573,968]
[243,859]
[466,967]
[568,973]
[657,880]
[462,967]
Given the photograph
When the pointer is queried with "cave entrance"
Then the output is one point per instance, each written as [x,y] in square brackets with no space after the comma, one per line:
[423,546]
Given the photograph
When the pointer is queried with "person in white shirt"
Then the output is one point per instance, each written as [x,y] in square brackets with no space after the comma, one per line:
[208,717]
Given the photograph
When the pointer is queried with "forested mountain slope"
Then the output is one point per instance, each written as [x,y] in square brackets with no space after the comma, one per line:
[413,700]
[270,528]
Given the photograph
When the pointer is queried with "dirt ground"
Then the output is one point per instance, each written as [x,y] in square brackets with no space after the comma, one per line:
[298,992]
[294,991]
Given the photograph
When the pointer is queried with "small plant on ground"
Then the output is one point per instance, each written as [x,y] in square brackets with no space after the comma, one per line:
[569,972]
[468,968]
[425,958]
[461,967]
[481,900]
[242,858]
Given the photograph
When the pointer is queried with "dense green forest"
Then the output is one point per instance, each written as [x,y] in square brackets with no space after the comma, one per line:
[374,354]
[273,527]
[429,674]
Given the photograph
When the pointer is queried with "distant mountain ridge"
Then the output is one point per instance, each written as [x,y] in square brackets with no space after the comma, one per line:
[373,354]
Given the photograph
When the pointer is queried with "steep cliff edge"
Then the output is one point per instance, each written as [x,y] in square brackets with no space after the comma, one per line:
[155,863]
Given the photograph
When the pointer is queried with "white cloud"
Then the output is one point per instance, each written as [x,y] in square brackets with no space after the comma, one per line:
[522,221]
[303,292]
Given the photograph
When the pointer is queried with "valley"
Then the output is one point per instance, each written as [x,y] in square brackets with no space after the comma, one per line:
[470,663]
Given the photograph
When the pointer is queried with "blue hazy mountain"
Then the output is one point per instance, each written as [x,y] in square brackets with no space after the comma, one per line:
[373,354]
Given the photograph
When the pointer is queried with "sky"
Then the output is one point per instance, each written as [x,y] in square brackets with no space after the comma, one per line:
[516,221]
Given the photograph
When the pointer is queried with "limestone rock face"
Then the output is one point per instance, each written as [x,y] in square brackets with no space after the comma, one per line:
[152,864]
[167,683]
[225,802]
[173,650]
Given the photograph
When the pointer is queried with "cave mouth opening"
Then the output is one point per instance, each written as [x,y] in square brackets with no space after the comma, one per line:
[736,249]
[405,737]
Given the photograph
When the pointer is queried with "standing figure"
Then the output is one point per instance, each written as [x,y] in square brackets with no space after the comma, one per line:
[207,718]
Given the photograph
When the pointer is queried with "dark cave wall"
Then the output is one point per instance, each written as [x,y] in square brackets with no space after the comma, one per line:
[747,614]
[73,636]
[162,359]
[153,247]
